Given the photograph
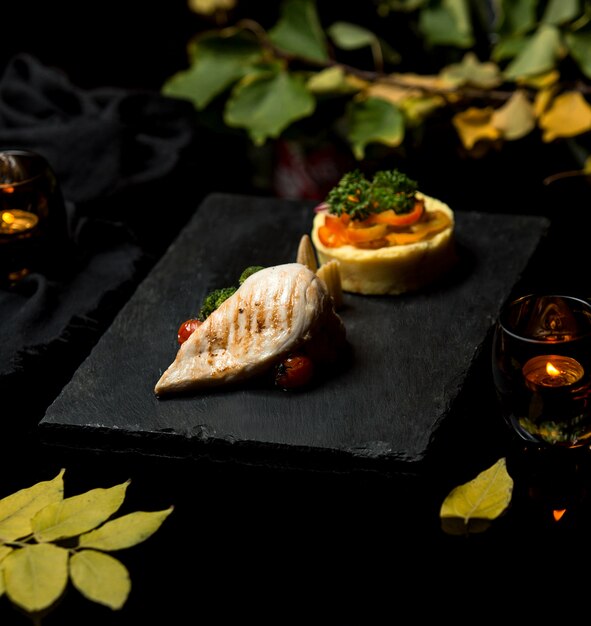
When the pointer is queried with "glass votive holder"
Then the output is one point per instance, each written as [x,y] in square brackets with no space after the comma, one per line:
[33,224]
[541,364]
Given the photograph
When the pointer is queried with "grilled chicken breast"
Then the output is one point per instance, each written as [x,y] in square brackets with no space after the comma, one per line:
[275,311]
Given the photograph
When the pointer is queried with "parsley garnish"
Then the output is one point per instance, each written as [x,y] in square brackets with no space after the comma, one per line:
[358,197]
[351,196]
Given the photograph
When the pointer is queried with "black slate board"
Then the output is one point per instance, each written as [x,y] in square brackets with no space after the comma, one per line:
[411,353]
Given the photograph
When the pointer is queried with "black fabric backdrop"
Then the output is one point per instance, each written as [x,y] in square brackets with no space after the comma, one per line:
[110,149]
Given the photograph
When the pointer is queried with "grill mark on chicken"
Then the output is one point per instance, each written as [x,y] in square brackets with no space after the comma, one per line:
[274,311]
[261,317]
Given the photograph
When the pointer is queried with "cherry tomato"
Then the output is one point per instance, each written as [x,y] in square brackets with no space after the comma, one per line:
[186,329]
[295,371]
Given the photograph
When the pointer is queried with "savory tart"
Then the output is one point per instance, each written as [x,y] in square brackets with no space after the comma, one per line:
[387,237]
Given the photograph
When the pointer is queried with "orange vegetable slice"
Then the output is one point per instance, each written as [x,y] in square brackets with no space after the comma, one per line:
[392,218]
[437,222]
[369,233]
[330,238]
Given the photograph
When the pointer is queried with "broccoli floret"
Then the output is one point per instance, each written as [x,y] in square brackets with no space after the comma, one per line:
[249,271]
[213,300]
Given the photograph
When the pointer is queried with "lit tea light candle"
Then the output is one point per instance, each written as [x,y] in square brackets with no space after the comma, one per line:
[552,371]
[15,222]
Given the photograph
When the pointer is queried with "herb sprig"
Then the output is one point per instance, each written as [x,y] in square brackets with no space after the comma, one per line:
[359,197]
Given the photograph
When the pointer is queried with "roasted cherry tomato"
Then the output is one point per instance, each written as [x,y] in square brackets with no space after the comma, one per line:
[186,329]
[295,371]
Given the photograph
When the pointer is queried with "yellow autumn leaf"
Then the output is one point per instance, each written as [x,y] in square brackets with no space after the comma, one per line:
[470,71]
[425,82]
[35,576]
[392,93]
[416,110]
[475,125]
[17,509]
[208,7]
[415,104]
[334,80]
[100,577]
[543,100]
[540,81]
[568,115]
[516,117]
[5,551]
[481,499]
[77,514]
[125,531]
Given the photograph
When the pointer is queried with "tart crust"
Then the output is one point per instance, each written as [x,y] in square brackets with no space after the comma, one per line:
[392,270]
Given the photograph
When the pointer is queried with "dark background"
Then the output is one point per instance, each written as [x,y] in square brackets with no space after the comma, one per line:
[259,544]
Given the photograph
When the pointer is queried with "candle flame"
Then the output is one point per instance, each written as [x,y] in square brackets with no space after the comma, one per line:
[551,370]
[7,217]
[557,514]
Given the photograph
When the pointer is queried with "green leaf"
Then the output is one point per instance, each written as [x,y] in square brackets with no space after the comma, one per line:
[561,11]
[374,120]
[447,24]
[518,16]
[579,45]
[472,72]
[17,509]
[299,32]
[100,578]
[350,36]
[267,106]
[539,54]
[125,531]
[35,576]
[508,48]
[78,514]
[217,64]
[484,498]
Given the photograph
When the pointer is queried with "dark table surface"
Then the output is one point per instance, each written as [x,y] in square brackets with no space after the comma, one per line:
[252,542]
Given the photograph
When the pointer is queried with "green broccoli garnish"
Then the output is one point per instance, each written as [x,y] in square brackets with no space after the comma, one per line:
[358,197]
[249,271]
[213,300]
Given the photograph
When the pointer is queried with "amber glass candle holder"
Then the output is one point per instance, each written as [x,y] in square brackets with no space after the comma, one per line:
[541,363]
[33,226]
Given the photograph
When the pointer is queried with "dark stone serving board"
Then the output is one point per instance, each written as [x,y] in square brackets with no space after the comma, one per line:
[410,353]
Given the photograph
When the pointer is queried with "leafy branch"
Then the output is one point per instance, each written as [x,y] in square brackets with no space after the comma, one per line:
[47,540]
[524,69]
